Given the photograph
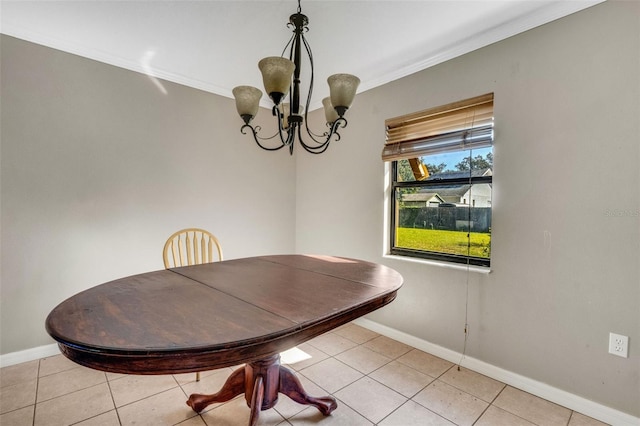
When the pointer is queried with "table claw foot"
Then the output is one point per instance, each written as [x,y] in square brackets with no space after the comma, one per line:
[199,402]
[291,386]
[233,387]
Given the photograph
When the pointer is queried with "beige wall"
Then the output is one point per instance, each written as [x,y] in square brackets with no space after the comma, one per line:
[564,268]
[99,166]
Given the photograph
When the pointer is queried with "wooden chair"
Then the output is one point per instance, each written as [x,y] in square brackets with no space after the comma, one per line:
[191,246]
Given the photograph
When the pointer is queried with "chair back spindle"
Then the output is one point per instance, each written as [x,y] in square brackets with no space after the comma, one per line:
[191,246]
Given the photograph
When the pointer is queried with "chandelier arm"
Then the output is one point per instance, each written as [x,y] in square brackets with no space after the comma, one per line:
[323,145]
[281,130]
[340,122]
[291,137]
[289,43]
[317,149]
[254,132]
[307,47]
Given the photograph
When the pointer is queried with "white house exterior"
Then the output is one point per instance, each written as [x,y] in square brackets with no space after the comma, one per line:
[477,195]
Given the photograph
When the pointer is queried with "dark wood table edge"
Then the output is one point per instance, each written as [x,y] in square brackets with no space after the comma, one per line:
[201,359]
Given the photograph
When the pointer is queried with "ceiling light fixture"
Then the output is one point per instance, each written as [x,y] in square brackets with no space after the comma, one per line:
[279,74]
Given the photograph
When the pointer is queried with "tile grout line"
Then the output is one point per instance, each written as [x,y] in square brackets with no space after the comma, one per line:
[367,375]
[113,400]
[492,405]
[78,390]
[185,395]
[35,402]
[435,379]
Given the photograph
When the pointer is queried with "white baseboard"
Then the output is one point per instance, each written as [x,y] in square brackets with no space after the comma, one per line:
[558,396]
[28,355]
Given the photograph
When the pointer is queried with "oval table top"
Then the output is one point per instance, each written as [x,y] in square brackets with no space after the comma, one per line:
[218,314]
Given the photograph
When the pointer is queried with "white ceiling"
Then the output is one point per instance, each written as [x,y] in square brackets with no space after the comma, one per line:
[215,45]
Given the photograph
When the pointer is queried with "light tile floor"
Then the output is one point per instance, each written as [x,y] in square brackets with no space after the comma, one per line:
[376,380]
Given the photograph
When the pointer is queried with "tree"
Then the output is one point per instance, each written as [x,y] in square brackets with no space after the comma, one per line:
[405,174]
[434,169]
[477,162]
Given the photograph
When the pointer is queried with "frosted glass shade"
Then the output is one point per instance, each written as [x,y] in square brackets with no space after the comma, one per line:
[342,88]
[329,111]
[247,100]
[276,76]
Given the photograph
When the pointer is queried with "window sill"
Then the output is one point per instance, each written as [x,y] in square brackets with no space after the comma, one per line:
[446,265]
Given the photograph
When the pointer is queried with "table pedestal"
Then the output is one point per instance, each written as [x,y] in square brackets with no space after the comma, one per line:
[261,381]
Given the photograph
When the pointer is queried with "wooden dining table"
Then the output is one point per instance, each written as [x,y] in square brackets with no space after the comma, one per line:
[222,314]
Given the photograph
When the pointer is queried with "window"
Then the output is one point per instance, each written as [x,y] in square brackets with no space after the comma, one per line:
[441,182]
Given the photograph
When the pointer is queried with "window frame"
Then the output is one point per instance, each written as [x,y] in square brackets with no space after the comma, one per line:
[423,254]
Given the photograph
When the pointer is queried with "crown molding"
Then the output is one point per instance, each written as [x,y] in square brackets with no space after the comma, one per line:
[545,14]
[81,50]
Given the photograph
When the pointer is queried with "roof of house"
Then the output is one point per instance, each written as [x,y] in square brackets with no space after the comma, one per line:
[460,174]
[442,191]
[421,196]
[450,190]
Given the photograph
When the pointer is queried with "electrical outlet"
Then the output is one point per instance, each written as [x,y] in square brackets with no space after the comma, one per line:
[619,345]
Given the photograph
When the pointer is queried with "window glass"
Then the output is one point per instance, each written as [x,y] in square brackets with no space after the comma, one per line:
[442,206]
[457,161]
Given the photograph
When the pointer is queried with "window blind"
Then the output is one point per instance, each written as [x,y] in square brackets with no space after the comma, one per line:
[460,125]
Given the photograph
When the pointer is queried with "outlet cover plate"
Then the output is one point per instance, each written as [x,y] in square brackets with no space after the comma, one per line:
[619,345]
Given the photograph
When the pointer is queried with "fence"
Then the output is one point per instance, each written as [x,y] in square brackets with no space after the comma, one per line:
[453,218]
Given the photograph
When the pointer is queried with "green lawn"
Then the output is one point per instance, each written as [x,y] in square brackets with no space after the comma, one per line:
[452,242]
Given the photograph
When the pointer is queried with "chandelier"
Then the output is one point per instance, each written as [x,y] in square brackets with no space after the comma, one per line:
[279,75]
